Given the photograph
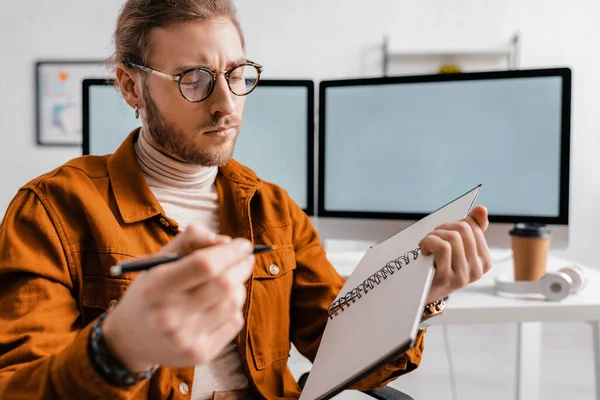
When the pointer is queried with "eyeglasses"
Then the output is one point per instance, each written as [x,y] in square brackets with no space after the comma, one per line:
[196,84]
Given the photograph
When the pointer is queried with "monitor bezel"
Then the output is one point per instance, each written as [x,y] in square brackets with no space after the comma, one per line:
[309,85]
[564,73]
[85,108]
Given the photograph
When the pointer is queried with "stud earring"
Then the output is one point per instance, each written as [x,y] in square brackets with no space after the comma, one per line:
[137,112]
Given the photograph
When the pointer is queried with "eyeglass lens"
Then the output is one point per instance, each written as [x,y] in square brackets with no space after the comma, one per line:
[196,84]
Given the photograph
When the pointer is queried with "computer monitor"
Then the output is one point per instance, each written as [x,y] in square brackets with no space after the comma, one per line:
[276,139]
[392,150]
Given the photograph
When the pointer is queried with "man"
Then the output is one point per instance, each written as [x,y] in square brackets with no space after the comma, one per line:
[218,322]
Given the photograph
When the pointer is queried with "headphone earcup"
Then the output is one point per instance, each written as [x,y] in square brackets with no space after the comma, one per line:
[556,286]
[577,276]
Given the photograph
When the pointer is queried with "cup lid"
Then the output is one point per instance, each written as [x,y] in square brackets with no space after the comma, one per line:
[530,229]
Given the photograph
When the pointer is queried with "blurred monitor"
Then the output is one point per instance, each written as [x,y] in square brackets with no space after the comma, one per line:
[276,139]
[392,150]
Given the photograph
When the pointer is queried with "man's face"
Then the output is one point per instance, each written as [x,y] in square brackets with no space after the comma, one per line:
[200,133]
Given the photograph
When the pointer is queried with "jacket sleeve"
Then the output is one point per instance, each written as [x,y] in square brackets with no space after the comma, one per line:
[43,347]
[316,285]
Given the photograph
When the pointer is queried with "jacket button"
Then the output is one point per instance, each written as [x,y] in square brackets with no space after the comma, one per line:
[112,304]
[274,269]
[164,222]
[183,388]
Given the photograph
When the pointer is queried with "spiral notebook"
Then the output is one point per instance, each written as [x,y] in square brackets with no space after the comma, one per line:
[376,316]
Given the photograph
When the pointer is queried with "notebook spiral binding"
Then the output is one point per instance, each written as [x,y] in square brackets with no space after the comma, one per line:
[372,281]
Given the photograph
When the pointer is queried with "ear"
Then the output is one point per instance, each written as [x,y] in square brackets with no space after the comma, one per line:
[130,83]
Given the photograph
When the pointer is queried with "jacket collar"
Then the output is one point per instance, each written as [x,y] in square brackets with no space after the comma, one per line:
[136,202]
[133,195]
[236,186]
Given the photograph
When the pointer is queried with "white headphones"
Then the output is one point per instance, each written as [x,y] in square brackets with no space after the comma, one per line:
[553,286]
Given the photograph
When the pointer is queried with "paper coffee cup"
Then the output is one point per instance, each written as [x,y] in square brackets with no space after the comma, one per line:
[530,246]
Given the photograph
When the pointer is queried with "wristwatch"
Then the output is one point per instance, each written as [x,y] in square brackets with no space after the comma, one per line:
[432,312]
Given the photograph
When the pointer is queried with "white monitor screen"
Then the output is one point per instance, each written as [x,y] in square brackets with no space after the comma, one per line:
[276,138]
[409,147]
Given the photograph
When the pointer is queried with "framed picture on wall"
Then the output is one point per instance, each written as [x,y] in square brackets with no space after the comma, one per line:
[58,86]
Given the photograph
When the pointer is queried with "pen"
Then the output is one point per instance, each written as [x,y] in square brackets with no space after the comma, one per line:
[152,261]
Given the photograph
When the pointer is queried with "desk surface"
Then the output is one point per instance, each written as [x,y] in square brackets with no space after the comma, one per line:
[478,303]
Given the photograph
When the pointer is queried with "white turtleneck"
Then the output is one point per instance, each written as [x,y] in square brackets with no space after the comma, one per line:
[188,195]
[186,192]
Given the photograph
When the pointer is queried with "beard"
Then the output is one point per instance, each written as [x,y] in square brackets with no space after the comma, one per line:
[176,143]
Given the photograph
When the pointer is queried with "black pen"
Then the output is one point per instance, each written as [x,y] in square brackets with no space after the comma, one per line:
[148,262]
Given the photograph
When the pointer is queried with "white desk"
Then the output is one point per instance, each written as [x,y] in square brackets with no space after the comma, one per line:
[478,304]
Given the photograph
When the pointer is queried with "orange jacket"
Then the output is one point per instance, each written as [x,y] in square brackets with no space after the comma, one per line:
[64,230]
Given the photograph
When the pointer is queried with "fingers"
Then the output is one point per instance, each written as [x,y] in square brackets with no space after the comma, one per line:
[450,258]
[212,345]
[460,252]
[193,238]
[483,251]
[442,252]
[197,268]
[224,312]
[480,215]
[466,263]
[183,330]
[228,285]
[204,335]
[187,319]
[475,244]
[213,292]
[464,230]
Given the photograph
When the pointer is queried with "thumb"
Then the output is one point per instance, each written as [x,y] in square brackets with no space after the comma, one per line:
[480,215]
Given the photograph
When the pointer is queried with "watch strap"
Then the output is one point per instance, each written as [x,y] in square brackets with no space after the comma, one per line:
[109,367]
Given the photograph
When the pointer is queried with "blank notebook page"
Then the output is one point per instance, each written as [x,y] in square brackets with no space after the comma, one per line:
[377,313]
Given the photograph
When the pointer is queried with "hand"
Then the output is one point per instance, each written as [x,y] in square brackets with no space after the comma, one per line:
[183,313]
[460,253]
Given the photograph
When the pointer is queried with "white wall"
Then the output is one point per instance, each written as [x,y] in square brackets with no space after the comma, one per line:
[320,39]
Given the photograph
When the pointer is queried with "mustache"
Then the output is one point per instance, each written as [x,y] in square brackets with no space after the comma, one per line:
[220,123]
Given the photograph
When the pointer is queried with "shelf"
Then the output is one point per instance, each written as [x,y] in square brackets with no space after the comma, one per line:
[450,52]
[510,52]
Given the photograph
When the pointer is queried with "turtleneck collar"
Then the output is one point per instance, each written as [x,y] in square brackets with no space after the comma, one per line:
[166,172]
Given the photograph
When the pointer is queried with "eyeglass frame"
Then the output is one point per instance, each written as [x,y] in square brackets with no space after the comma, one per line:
[177,77]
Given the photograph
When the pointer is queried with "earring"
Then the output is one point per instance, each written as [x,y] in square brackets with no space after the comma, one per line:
[137,112]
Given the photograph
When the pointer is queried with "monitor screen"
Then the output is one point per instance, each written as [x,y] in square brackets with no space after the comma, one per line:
[276,139]
[399,148]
